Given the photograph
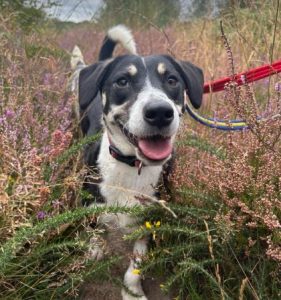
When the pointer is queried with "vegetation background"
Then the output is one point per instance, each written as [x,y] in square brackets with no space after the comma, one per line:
[225,242]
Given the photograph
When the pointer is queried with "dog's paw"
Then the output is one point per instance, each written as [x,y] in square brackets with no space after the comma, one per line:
[127,296]
[132,280]
[96,249]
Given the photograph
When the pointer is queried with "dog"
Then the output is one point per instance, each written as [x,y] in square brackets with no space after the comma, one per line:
[137,103]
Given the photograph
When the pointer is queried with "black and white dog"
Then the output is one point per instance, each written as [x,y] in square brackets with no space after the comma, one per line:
[137,102]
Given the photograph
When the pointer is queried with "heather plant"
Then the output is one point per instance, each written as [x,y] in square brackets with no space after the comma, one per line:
[233,197]
[240,195]
[218,234]
[44,234]
[35,120]
[35,128]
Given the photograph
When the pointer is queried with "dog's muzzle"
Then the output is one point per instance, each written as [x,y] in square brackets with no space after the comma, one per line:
[158,115]
[155,143]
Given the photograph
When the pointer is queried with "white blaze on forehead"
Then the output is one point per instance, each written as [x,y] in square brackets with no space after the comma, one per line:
[161,68]
[136,123]
[132,69]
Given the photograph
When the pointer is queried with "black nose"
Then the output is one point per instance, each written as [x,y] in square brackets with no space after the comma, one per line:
[158,113]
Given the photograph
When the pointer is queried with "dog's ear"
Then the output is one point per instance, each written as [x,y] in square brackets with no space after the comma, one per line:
[90,82]
[193,78]
[194,82]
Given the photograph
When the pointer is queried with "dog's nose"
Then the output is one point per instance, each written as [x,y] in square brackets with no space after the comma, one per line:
[158,113]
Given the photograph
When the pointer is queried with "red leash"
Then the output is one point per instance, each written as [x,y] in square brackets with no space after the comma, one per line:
[218,85]
[244,77]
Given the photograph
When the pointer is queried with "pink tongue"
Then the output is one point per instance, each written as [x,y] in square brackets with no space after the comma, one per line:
[155,149]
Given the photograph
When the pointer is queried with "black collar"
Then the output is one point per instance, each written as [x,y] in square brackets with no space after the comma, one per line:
[131,161]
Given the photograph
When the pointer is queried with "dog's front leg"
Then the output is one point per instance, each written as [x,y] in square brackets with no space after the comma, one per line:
[132,278]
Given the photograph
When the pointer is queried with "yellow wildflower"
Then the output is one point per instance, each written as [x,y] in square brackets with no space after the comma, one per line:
[157,224]
[136,271]
[148,225]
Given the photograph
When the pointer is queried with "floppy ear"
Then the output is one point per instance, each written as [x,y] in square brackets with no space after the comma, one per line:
[193,78]
[194,82]
[90,82]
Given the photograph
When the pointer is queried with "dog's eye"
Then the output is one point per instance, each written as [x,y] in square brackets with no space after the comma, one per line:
[172,81]
[122,82]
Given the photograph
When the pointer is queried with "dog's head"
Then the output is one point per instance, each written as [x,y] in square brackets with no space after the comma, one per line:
[143,100]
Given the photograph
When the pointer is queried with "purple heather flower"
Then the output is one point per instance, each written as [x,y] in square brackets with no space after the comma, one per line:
[41,215]
[47,79]
[278,87]
[9,113]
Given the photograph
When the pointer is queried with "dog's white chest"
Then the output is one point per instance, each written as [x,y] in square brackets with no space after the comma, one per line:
[121,183]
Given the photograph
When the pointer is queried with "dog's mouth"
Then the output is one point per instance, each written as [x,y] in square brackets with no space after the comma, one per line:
[155,147]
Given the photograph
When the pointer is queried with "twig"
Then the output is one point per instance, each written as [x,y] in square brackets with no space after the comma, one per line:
[217,273]
[272,48]
[254,293]
[160,202]
[242,288]
[229,52]
[141,197]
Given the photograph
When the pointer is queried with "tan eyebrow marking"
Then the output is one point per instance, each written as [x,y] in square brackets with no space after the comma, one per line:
[132,69]
[161,68]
